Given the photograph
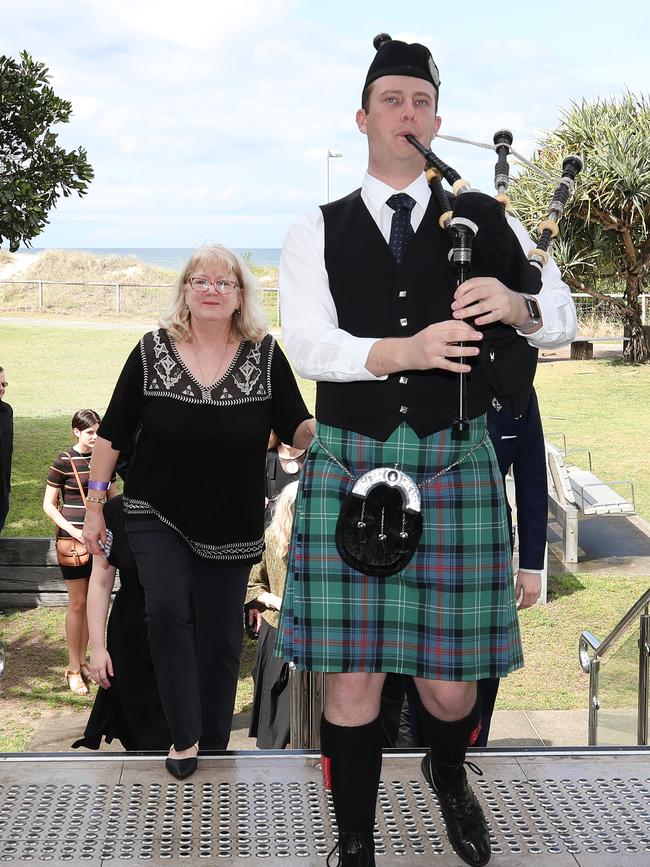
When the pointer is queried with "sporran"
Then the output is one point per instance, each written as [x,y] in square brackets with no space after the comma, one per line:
[380,521]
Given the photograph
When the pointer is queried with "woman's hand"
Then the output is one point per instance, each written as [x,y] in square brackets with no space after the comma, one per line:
[274,602]
[101,666]
[94,529]
[77,534]
[254,621]
[270,600]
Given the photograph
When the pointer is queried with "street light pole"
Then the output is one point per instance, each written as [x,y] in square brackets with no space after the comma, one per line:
[330,155]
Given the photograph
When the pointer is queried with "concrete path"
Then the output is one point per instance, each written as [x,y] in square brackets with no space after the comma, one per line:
[608,545]
[56,732]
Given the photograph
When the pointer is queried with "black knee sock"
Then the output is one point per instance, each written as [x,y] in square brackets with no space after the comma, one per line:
[354,754]
[448,742]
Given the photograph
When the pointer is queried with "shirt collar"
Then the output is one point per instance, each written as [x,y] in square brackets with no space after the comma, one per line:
[378,192]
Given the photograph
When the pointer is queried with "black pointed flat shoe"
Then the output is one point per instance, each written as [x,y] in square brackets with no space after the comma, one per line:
[465,821]
[181,768]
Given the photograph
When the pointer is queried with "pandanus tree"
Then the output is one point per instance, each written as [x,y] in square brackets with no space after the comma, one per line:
[604,245]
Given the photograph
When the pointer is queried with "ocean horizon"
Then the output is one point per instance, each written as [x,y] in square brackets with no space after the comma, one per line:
[168,257]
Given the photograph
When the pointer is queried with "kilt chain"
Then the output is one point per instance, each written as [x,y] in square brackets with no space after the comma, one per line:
[432,478]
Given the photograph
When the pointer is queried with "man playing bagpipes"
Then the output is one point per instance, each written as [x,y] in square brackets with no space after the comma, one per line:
[400,558]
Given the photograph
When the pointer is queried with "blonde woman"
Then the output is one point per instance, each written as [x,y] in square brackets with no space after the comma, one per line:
[205,389]
[270,719]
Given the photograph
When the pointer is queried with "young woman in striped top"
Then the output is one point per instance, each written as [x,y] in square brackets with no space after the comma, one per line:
[64,503]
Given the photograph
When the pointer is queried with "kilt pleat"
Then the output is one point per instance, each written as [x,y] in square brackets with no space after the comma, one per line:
[451,613]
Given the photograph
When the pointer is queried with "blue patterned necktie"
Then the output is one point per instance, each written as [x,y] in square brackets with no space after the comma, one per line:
[401,230]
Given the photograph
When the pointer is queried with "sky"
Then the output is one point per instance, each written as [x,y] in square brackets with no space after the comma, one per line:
[211,121]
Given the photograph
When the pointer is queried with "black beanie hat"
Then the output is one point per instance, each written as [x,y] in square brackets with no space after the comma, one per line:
[399,58]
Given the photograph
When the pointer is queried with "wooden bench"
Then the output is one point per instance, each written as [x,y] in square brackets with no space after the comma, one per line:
[30,575]
[574,493]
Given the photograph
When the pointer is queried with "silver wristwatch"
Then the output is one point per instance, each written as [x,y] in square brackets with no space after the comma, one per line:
[534,313]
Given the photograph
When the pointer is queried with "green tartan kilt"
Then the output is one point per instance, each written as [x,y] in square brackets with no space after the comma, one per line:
[451,613]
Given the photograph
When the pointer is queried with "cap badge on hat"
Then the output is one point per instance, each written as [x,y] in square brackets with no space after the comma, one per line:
[435,75]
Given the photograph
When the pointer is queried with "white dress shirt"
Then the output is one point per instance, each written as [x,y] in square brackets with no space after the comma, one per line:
[319,349]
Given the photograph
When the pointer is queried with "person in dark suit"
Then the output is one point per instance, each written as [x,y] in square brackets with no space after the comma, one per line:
[519,443]
[6,449]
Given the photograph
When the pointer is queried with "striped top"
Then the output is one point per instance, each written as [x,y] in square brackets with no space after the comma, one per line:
[61,476]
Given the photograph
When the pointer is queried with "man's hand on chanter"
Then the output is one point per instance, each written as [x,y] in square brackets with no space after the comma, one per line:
[489,300]
[436,346]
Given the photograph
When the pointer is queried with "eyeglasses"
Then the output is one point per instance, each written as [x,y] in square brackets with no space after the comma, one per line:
[202,284]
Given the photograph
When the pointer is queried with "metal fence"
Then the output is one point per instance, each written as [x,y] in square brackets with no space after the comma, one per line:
[146,300]
[98,299]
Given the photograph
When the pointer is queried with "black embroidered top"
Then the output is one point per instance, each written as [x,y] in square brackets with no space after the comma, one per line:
[200,458]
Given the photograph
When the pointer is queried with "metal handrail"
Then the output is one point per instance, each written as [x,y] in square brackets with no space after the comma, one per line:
[601,648]
[591,652]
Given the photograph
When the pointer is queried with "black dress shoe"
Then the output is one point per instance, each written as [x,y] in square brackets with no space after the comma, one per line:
[466,824]
[353,851]
[181,768]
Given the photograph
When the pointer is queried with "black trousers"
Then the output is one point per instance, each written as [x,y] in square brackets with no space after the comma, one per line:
[4,510]
[194,622]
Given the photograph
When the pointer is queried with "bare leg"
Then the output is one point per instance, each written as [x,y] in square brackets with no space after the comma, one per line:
[83,644]
[353,699]
[445,699]
[76,624]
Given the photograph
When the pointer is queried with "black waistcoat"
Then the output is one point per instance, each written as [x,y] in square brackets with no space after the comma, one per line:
[375,297]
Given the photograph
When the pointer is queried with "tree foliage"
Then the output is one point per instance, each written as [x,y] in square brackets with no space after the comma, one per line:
[604,237]
[34,170]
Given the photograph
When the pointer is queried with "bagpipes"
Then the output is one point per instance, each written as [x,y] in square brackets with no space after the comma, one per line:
[483,245]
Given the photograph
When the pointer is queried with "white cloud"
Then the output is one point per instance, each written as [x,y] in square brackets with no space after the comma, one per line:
[196,114]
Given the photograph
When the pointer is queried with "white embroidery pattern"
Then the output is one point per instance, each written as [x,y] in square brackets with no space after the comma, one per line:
[249,372]
[228,551]
[248,379]
[165,366]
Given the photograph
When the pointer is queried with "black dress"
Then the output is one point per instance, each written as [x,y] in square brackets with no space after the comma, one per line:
[130,710]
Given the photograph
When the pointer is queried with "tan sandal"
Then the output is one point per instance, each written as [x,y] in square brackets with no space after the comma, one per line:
[76,682]
[85,673]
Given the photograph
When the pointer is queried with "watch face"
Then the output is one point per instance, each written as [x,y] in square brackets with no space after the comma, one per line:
[533,309]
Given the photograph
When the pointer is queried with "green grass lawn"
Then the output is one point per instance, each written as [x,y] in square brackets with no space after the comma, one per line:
[603,406]
[600,405]
[53,371]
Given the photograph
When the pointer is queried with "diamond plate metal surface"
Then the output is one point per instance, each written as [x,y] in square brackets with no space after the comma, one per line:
[543,809]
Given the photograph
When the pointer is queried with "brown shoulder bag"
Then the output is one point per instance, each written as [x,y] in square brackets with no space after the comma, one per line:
[70,552]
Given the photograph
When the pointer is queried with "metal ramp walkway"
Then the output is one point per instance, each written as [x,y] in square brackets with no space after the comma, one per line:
[545,807]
